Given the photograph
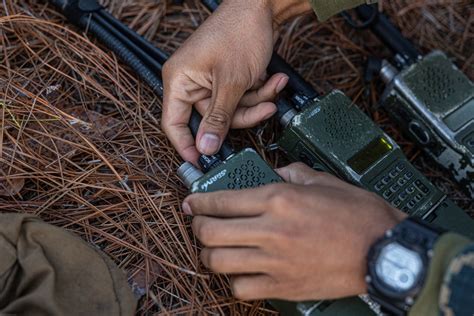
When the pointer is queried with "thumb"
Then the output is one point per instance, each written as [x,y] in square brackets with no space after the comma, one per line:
[218,118]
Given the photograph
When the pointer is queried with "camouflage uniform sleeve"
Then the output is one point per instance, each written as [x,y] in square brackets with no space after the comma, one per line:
[449,288]
[326,8]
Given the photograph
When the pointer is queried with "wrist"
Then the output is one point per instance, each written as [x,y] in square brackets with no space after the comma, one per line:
[392,219]
[282,10]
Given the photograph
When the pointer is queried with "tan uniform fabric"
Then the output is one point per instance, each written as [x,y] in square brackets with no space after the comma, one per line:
[45,270]
[327,8]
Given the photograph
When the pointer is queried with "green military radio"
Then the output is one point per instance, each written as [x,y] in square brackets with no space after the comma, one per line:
[331,134]
[352,147]
[245,169]
[429,98]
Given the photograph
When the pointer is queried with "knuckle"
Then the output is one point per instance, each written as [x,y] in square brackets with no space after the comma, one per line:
[280,196]
[298,165]
[214,261]
[204,230]
[168,68]
[218,118]
[165,126]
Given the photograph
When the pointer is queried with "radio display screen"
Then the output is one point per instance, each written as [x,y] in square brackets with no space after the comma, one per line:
[375,150]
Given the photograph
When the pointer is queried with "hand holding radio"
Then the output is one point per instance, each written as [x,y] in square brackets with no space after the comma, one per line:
[306,239]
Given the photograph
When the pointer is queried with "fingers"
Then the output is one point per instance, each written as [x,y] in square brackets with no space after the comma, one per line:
[218,117]
[220,114]
[300,173]
[245,117]
[176,115]
[234,203]
[180,93]
[236,260]
[267,92]
[254,287]
[218,232]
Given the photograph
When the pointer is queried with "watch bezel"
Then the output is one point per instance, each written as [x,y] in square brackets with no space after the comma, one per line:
[416,235]
[380,286]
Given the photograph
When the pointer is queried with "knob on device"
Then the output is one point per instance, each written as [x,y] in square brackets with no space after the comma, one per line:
[188,173]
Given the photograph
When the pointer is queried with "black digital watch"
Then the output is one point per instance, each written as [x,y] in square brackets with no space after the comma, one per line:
[398,265]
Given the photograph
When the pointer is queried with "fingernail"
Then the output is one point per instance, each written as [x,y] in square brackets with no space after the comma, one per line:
[282,84]
[209,144]
[187,209]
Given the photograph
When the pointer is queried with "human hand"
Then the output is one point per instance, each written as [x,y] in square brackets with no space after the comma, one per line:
[220,70]
[303,240]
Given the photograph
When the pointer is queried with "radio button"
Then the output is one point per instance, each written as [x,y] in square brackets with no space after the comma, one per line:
[419,132]
[408,175]
[402,196]
[423,188]
[386,180]
[410,190]
[393,173]
[418,197]
[387,194]
[379,186]
[402,181]
[394,188]
[400,166]
[396,202]
[411,204]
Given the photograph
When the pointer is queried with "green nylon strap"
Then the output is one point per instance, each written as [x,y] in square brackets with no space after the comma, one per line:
[327,8]
[446,248]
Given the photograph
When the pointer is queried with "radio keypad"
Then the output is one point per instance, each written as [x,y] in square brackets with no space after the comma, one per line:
[410,189]
[401,188]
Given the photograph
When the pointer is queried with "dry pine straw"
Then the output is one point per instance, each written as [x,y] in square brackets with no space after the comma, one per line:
[81,144]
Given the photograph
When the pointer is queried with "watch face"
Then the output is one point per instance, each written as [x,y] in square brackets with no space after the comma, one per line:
[398,268]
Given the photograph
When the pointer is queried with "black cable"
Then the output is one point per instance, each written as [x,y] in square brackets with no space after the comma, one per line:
[389,35]
[211,4]
[295,82]
[156,53]
[128,57]
[362,25]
